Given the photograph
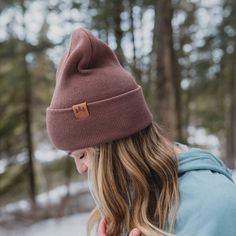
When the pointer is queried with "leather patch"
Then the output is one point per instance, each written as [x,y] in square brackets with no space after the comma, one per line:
[80,110]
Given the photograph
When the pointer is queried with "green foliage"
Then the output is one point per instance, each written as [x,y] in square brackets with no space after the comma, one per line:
[14,182]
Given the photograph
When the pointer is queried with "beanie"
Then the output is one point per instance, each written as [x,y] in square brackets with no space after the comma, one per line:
[95,100]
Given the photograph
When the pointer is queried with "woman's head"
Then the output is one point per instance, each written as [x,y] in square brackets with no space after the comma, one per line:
[96,101]
[144,162]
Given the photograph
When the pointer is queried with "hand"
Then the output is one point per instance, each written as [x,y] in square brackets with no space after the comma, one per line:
[102,229]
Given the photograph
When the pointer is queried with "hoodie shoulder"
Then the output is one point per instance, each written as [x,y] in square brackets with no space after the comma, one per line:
[207,196]
[207,205]
[200,159]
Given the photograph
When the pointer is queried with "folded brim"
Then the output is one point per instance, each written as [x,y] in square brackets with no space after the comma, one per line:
[109,119]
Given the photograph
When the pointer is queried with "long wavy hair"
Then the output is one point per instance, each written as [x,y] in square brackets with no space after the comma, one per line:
[135,182]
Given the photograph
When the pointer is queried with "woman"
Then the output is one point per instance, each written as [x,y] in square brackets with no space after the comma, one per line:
[141,180]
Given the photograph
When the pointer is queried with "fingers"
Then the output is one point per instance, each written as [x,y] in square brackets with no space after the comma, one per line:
[135,232]
[102,227]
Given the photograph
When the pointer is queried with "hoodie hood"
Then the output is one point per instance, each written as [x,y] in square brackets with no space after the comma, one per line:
[199,159]
[207,203]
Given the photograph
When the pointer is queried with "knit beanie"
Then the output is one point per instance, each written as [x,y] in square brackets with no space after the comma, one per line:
[95,100]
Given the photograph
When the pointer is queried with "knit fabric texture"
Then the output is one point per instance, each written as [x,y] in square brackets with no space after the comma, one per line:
[95,100]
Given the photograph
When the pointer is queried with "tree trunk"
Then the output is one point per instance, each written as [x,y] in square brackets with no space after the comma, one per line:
[117,30]
[178,101]
[136,71]
[131,18]
[29,138]
[231,134]
[168,90]
[28,118]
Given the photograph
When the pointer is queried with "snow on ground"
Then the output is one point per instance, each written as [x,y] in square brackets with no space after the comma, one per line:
[43,199]
[74,225]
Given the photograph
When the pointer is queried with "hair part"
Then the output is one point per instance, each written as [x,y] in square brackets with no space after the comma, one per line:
[146,164]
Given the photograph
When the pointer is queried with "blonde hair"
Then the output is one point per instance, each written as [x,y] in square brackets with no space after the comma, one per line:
[147,162]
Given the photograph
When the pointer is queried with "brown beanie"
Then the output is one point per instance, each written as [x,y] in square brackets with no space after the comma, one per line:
[95,99]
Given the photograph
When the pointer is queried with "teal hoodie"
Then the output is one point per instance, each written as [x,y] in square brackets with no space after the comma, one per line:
[207,195]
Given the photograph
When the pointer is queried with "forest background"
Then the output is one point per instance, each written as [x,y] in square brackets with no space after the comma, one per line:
[182,52]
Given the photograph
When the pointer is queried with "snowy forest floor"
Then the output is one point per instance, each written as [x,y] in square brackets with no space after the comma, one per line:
[73,224]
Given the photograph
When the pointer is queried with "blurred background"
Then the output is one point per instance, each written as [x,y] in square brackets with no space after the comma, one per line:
[183,54]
